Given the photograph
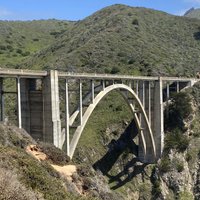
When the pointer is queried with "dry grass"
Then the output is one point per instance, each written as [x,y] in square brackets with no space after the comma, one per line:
[12,189]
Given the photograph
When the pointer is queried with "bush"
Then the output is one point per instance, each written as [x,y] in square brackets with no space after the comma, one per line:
[19,51]
[54,154]
[185,195]
[188,157]
[179,165]
[115,70]
[179,109]
[176,140]
[27,53]
[11,188]
[10,48]
[35,39]
[3,47]
[164,165]
[135,22]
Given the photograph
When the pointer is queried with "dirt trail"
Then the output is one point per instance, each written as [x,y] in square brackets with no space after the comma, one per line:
[67,170]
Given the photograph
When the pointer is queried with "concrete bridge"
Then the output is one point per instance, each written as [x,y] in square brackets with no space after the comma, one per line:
[39,95]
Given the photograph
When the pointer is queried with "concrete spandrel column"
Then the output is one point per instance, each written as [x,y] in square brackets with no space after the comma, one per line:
[92,91]
[177,87]
[80,103]
[137,88]
[67,116]
[147,100]
[2,99]
[168,91]
[19,112]
[103,84]
[52,124]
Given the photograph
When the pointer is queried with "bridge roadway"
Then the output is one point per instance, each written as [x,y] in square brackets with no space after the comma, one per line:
[25,73]
[39,109]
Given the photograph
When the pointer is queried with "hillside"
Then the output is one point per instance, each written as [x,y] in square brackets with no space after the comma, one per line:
[19,39]
[117,39]
[193,13]
[109,149]
[126,40]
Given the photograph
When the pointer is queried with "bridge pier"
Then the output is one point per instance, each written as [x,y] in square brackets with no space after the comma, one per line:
[23,91]
[2,99]
[158,126]
[51,118]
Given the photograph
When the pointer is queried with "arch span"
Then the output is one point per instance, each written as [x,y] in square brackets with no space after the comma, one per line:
[103,93]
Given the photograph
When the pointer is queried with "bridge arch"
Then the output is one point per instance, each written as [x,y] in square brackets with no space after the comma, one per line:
[120,88]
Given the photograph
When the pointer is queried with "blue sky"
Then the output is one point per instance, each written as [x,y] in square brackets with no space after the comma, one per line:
[79,9]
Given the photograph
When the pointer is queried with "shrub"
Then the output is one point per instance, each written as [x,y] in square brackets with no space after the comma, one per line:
[35,39]
[135,22]
[11,188]
[54,154]
[3,47]
[179,165]
[27,53]
[156,190]
[115,70]
[10,48]
[131,61]
[179,109]
[19,51]
[164,165]
[176,140]
[188,157]
[185,195]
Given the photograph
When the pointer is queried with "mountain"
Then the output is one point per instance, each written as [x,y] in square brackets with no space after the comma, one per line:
[20,39]
[125,40]
[193,13]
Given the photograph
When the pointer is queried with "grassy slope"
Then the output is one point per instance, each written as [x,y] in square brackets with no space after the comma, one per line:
[35,176]
[134,40]
[21,39]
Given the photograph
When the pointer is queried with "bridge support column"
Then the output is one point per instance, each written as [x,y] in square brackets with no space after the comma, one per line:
[2,99]
[158,118]
[52,124]
[67,116]
[80,103]
[25,108]
[19,111]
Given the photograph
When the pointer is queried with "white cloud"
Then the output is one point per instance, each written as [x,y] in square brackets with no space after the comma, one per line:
[4,12]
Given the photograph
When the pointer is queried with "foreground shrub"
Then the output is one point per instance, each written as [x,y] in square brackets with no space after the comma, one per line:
[179,109]
[12,189]
[54,154]
[176,140]
[164,165]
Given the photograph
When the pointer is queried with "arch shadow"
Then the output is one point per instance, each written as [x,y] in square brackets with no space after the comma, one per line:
[116,148]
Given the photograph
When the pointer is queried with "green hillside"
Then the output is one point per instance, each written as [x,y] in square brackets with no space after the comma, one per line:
[126,40]
[117,39]
[19,39]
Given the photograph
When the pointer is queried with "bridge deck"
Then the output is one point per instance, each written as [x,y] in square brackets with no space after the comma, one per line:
[40,74]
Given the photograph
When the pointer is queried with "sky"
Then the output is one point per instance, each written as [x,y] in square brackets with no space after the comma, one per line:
[79,9]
